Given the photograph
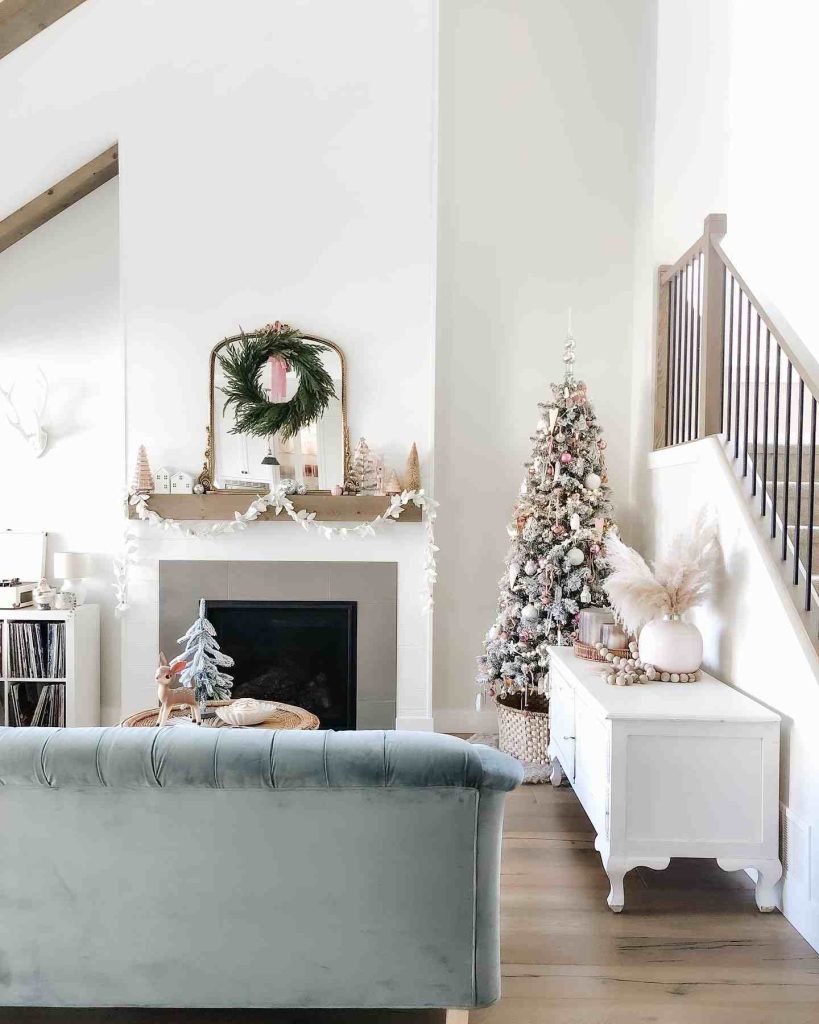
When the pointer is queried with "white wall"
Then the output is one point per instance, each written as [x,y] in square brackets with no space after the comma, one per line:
[276,163]
[753,638]
[736,93]
[544,133]
[59,310]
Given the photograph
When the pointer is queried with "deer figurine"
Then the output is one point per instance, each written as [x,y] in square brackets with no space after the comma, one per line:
[173,696]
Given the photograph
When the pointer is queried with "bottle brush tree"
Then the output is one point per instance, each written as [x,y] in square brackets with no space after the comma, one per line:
[556,563]
[204,661]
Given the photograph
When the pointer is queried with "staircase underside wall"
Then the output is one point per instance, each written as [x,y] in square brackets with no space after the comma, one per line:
[755,637]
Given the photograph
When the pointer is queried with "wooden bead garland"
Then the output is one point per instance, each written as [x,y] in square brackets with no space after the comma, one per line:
[633,670]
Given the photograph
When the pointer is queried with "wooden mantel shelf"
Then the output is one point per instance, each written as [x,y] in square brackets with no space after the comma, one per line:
[221,505]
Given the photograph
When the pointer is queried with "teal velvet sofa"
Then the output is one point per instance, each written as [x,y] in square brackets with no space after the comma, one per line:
[184,867]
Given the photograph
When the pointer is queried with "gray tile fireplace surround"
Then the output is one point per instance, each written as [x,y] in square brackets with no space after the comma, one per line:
[373,585]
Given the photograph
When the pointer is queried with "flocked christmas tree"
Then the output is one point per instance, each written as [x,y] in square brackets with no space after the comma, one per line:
[204,661]
[555,565]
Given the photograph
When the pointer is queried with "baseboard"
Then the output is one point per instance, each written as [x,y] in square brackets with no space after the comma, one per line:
[466,720]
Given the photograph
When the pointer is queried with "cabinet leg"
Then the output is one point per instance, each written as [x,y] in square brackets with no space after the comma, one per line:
[457,1017]
[616,870]
[768,874]
[556,776]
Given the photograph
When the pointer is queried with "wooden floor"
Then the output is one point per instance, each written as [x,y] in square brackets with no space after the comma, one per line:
[690,947]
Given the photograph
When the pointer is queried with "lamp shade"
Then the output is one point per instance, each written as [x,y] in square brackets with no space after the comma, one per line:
[70,565]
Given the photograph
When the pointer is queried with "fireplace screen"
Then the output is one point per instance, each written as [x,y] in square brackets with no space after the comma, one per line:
[298,652]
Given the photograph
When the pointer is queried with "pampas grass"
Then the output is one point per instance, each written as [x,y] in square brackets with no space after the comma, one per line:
[680,580]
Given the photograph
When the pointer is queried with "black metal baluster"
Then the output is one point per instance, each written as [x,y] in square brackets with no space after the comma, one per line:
[697,347]
[680,381]
[812,497]
[684,342]
[692,379]
[747,387]
[738,372]
[756,403]
[776,440]
[764,501]
[730,346]
[785,493]
[669,365]
[797,548]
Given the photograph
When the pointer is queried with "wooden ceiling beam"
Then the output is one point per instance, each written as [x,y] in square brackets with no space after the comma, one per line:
[22,19]
[59,197]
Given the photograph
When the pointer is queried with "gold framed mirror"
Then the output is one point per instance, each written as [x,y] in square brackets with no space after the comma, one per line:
[318,457]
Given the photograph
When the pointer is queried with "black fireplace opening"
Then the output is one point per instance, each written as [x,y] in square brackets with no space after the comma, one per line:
[297,652]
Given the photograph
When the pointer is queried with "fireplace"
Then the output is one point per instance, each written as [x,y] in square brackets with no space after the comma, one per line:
[298,652]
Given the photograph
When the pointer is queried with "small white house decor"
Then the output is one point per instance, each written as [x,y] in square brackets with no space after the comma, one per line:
[653,602]
[181,483]
[162,481]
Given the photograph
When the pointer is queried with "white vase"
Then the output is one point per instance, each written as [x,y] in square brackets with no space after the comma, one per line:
[671,645]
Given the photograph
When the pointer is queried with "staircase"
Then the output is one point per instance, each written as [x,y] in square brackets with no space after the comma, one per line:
[726,366]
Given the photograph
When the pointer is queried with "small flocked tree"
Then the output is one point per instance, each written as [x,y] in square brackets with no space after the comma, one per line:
[204,661]
[555,565]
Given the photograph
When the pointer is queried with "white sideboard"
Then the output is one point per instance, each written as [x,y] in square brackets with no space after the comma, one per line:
[668,770]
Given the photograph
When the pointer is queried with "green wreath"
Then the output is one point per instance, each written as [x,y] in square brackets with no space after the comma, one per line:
[242,363]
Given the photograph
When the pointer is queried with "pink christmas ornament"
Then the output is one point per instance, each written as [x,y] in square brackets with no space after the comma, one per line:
[565,458]
[595,549]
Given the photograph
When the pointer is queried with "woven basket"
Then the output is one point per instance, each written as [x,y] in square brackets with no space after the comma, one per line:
[592,654]
[523,733]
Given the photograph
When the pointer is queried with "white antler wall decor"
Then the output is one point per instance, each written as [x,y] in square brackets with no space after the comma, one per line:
[37,439]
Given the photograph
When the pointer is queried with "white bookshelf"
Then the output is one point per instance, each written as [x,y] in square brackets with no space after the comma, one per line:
[82,660]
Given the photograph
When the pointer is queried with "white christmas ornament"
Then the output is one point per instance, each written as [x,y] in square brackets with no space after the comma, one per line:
[575,556]
[531,567]
[592,482]
[514,569]
[529,613]
[574,522]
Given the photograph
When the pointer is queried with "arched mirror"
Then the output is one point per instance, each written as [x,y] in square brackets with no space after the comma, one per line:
[316,456]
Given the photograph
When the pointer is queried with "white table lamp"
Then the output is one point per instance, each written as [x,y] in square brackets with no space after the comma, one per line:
[72,568]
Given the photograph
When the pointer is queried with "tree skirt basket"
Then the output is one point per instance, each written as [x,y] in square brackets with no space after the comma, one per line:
[524,733]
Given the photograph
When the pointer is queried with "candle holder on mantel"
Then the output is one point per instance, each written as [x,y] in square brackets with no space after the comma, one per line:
[597,625]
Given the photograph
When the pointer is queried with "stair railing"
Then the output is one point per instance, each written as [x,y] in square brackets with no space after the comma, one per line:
[725,365]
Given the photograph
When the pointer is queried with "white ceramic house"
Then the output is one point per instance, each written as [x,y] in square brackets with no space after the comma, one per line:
[181,483]
[162,481]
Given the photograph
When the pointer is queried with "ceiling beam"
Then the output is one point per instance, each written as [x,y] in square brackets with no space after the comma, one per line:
[60,196]
[22,19]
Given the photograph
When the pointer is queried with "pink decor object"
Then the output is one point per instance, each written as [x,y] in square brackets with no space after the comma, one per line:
[565,458]
[278,379]
[337,491]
